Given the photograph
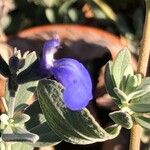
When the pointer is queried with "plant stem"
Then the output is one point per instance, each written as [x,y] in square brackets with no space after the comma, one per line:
[4,103]
[135,137]
[145,43]
[144,52]
[7,146]
[11,105]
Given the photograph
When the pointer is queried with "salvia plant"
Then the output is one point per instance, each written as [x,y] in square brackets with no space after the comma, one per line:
[63,89]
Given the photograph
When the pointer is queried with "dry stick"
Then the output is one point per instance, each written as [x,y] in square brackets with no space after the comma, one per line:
[145,43]
[144,52]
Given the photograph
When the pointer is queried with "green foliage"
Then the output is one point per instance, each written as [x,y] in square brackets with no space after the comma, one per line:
[130,92]
[19,146]
[22,146]
[121,95]
[38,125]
[143,121]
[48,121]
[122,118]
[140,108]
[131,82]
[77,127]
[145,98]
[121,66]
[115,73]
[13,128]
[26,90]
[19,134]
[46,3]
[21,118]
[46,135]
[109,82]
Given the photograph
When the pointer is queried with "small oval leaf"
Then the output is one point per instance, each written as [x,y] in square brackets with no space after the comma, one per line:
[140,92]
[121,95]
[21,118]
[140,108]
[122,118]
[109,83]
[120,64]
[143,121]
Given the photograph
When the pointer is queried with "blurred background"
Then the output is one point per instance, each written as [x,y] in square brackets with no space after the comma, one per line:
[123,19]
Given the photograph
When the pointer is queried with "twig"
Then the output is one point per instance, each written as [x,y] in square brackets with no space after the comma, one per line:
[11,105]
[144,52]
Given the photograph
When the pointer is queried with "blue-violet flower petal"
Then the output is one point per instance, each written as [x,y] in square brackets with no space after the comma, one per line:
[49,49]
[76,81]
[70,73]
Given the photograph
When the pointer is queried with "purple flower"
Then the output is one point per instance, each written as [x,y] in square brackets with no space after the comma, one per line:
[70,73]
[48,51]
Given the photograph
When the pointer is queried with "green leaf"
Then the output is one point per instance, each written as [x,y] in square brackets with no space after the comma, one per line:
[22,146]
[140,108]
[130,83]
[121,95]
[142,90]
[145,81]
[78,127]
[20,118]
[21,108]
[46,135]
[36,115]
[16,137]
[108,79]
[50,14]
[65,6]
[26,90]
[20,135]
[121,66]
[30,58]
[109,83]
[139,92]
[112,129]
[129,70]
[143,121]
[37,125]
[145,99]
[18,146]
[73,14]
[46,3]
[122,118]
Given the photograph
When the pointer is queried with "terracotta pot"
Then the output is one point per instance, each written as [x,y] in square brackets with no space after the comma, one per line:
[81,42]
